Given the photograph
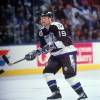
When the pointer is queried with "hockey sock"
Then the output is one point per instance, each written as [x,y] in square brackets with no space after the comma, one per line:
[75,85]
[78,88]
[51,82]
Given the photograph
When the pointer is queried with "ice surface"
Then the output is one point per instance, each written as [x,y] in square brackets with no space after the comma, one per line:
[34,87]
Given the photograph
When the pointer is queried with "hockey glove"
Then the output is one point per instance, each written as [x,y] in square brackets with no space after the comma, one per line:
[30,56]
[48,48]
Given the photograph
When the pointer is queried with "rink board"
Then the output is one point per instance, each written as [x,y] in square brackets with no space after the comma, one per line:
[87,59]
[40,70]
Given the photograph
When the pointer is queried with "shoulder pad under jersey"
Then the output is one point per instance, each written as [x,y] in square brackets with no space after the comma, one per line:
[58,24]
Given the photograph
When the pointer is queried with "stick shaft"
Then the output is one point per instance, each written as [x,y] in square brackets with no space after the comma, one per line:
[11,63]
[17,61]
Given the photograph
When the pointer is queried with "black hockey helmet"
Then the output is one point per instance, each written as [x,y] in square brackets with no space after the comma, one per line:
[49,14]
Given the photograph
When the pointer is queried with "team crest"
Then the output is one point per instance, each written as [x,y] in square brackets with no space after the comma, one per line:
[41,33]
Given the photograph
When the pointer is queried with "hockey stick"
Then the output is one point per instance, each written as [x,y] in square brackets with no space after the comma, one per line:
[1,71]
[35,53]
[11,63]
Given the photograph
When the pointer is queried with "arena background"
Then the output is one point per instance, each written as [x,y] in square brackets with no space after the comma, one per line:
[20,23]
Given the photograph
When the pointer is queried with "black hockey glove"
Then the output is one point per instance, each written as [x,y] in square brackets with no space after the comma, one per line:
[30,56]
[42,50]
[48,48]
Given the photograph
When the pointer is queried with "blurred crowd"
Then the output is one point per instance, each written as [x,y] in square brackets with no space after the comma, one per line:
[20,22]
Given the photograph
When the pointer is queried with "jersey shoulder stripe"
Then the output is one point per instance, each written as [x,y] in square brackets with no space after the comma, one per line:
[58,25]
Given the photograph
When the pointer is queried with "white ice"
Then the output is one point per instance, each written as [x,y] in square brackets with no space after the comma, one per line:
[34,87]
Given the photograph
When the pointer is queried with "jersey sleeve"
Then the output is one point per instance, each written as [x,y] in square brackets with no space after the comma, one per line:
[41,39]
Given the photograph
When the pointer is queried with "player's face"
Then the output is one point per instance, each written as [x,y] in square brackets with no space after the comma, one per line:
[45,21]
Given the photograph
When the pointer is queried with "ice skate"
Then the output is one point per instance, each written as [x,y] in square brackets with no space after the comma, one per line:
[55,96]
[83,96]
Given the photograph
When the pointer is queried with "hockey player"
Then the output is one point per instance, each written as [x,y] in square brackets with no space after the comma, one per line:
[55,40]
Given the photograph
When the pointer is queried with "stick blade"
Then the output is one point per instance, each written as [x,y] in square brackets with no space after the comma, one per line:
[5,59]
[2,71]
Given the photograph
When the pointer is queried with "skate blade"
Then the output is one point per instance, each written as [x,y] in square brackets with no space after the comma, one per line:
[84,99]
[55,99]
